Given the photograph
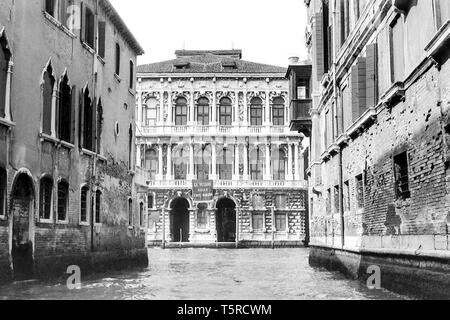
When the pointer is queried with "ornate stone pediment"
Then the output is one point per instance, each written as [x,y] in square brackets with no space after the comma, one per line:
[255,94]
[178,94]
[152,94]
[228,94]
[201,94]
[275,94]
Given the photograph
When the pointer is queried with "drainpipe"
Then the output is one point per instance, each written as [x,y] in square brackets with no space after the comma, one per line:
[335,99]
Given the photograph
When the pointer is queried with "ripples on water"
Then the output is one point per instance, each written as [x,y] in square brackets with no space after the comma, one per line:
[200,274]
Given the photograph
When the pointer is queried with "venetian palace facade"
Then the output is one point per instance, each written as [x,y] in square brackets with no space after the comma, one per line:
[379,170]
[211,117]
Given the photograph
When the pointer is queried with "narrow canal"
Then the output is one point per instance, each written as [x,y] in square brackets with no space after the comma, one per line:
[200,274]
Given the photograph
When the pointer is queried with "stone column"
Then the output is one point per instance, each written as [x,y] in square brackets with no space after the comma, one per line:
[191,109]
[161,108]
[245,108]
[246,176]
[8,91]
[169,108]
[214,109]
[236,109]
[267,175]
[160,174]
[289,175]
[139,107]
[236,162]
[268,120]
[213,162]
[296,163]
[190,175]
[138,155]
[169,162]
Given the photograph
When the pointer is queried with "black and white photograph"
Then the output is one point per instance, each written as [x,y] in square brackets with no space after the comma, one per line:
[224,155]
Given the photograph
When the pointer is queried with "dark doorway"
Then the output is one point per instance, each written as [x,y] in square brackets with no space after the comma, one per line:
[22,203]
[180,220]
[226,220]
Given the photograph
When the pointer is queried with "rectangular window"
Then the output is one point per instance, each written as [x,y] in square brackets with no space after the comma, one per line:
[141,214]
[130,212]
[359,191]
[278,116]
[101,39]
[63,197]
[98,205]
[50,7]
[180,115]
[67,14]
[45,203]
[2,192]
[301,93]
[280,222]
[117,59]
[256,116]
[397,50]
[89,28]
[150,201]
[336,200]
[258,222]
[346,196]
[202,217]
[225,113]
[203,115]
[131,75]
[84,205]
[401,176]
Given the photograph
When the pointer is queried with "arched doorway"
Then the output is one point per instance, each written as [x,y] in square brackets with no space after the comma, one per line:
[179,222]
[22,205]
[226,220]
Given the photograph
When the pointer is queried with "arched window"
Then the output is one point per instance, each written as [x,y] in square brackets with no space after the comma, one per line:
[151,163]
[278,111]
[181,112]
[279,164]
[225,161]
[117,59]
[180,161]
[63,200]
[256,112]
[5,58]
[130,212]
[65,110]
[203,111]
[141,214]
[86,120]
[150,112]
[131,75]
[256,164]
[99,125]
[2,192]
[45,198]
[84,204]
[130,146]
[225,112]
[202,161]
[48,86]
[98,206]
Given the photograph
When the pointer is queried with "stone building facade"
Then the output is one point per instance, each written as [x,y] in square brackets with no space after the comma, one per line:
[211,117]
[379,170]
[67,95]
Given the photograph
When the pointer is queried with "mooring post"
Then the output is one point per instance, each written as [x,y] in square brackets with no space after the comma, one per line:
[238,222]
[163,245]
[273,227]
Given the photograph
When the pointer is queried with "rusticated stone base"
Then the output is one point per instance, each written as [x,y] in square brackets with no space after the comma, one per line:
[415,276]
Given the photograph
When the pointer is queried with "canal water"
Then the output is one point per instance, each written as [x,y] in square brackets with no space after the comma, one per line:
[203,274]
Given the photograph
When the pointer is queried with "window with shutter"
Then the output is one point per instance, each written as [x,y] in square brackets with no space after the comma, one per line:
[371,75]
[101,38]
[319,45]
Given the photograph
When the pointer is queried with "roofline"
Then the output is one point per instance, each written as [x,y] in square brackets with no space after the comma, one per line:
[210,75]
[297,67]
[112,13]
[187,53]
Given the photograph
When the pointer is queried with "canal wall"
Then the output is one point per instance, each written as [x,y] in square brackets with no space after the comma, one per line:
[419,276]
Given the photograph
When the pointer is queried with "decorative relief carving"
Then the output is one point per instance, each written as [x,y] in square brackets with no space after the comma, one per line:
[256,94]
[178,94]
[241,107]
[152,94]
[276,94]
[200,94]
[228,94]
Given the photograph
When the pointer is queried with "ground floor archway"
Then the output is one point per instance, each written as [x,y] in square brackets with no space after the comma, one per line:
[22,208]
[179,220]
[226,220]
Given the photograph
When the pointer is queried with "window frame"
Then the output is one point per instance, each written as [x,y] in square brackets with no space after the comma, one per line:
[256,113]
[225,112]
[85,188]
[277,108]
[284,218]
[64,183]
[89,28]
[202,217]
[202,111]
[404,194]
[98,207]
[262,216]
[46,181]
[359,191]
[181,112]
[258,167]
[117,60]
[3,192]
[130,213]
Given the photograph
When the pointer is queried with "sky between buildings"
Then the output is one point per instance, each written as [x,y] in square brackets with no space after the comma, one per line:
[267,31]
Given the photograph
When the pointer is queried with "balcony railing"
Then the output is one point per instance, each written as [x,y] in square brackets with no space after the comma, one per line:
[244,130]
[143,179]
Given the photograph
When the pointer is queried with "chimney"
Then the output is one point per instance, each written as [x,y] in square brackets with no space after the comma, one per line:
[293,60]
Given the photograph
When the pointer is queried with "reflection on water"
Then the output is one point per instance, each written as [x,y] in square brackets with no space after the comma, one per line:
[200,274]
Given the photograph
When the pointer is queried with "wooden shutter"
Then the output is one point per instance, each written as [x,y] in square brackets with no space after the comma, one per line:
[319,47]
[361,64]
[101,38]
[371,75]
[82,21]
[354,90]
[81,120]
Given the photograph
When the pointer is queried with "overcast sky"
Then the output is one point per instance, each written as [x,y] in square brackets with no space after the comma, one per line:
[267,31]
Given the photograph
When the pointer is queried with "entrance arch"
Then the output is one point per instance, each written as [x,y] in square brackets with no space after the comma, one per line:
[22,208]
[179,219]
[226,220]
